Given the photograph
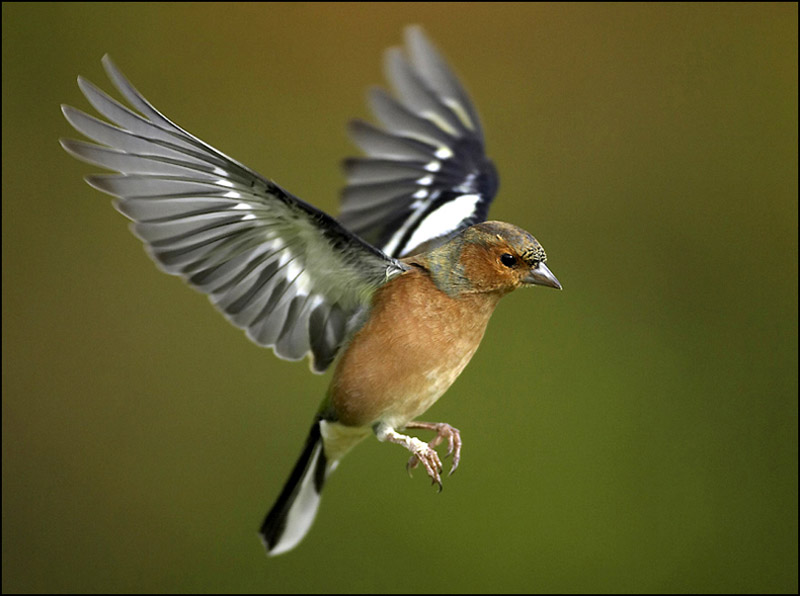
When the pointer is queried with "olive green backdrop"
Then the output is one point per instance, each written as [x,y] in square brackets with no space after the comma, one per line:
[635,432]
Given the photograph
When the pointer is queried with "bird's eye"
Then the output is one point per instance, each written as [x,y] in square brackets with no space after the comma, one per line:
[508,260]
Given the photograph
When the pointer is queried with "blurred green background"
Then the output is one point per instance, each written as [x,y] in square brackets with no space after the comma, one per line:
[635,432]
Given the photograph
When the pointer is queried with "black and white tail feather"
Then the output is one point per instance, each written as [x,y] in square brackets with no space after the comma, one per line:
[291,516]
[294,278]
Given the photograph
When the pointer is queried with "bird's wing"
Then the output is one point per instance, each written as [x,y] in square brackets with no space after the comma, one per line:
[425,176]
[285,272]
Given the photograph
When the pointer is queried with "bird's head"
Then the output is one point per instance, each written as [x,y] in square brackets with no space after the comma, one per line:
[490,257]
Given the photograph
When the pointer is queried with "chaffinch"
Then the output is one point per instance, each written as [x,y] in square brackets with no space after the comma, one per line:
[395,293]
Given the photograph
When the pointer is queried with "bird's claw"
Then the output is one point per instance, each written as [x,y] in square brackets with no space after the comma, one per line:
[453,436]
[429,459]
[427,456]
[425,453]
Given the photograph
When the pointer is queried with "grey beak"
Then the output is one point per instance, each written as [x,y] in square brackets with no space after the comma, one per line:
[542,276]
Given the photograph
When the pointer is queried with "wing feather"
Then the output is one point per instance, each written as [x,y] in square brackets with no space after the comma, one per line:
[425,176]
[288,274]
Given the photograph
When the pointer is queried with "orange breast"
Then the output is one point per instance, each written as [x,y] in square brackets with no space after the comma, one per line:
[414,345]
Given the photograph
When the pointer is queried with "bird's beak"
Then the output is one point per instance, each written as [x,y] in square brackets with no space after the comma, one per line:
[541,276]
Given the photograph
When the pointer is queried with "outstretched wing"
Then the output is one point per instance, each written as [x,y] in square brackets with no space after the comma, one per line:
[426,175]
[285,272]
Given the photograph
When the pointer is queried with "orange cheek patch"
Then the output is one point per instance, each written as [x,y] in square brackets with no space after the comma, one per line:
[482,267]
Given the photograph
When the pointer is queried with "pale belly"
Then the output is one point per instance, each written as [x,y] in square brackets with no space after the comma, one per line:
[430,385]
[397,407]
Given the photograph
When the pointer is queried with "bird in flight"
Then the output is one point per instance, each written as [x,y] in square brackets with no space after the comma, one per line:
[394,293]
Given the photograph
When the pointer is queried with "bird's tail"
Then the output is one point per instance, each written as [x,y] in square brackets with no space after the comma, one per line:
[293,513]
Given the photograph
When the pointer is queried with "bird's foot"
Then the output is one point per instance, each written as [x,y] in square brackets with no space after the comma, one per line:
[427,456]
[425,453]
[443,431]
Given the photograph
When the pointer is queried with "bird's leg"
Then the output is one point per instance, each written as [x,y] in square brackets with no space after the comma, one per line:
[421,452]
[443,431]
[425,453]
